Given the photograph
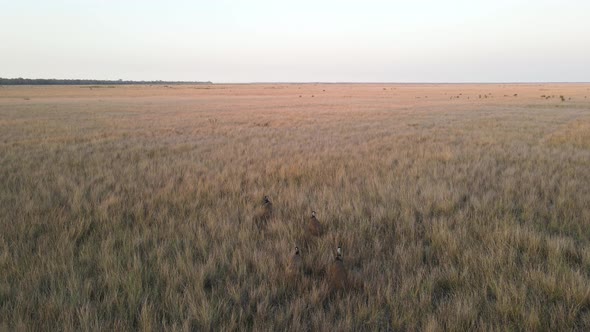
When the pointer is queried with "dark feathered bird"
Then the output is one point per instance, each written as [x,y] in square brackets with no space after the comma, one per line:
[337,276]
[314,227]
[266,201]
[264,212]
[295,265]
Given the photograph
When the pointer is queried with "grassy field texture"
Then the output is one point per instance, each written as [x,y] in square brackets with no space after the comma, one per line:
[135,207]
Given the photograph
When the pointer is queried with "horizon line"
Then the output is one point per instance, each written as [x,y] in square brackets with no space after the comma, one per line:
[401,82]
[147,81]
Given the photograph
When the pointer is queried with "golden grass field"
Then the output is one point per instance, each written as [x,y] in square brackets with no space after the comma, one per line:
[458,207]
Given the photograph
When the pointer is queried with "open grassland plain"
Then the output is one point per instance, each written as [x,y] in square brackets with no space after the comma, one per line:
[457,207]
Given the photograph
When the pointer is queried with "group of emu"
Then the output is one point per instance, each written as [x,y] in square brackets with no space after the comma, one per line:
[336,273]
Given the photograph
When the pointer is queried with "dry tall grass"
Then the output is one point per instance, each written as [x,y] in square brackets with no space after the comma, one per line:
[135,207]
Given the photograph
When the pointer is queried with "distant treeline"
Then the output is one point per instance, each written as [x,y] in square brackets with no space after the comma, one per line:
[53,81]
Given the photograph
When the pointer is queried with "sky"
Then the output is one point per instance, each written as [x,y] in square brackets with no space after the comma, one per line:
[297,41]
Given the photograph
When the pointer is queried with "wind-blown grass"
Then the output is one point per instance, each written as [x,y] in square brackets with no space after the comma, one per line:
[135,207]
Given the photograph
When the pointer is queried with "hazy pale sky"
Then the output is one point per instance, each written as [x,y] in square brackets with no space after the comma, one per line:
[297,41]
